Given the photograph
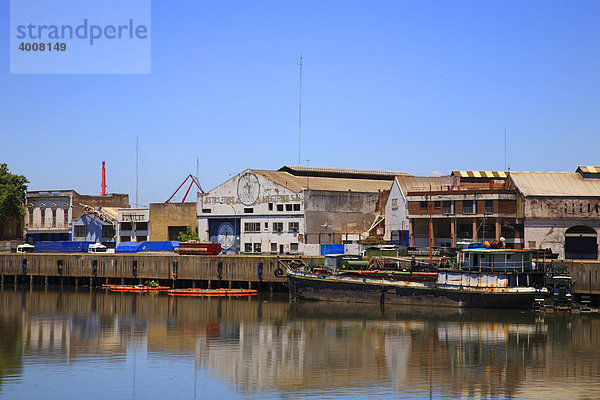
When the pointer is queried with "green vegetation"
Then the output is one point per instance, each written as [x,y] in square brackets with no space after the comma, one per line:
[12,194]
[151,284]
[189,234]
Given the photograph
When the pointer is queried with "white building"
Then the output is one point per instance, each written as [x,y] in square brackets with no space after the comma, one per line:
[293,210]
[132,225]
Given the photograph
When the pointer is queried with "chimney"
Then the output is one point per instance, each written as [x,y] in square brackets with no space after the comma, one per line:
[103,179]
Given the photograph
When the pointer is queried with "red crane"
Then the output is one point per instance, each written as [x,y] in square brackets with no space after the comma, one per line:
[194,180]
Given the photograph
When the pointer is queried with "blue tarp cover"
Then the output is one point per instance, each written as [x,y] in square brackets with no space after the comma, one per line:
[332,249]
[128,247]
[157,246]
[61,247]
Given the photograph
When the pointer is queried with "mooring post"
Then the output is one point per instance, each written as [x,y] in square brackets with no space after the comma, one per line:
[46,280]
[249,284]
[76,283]
[209,284]
[91,282]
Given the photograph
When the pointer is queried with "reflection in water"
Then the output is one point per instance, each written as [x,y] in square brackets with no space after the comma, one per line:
[146,345]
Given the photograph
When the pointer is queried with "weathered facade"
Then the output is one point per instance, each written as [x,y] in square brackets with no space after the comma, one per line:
[167,220]
[561,210]
[292,210]
[471,205]
[133,225]
[49,213]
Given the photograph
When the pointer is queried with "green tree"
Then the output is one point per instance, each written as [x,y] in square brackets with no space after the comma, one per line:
[12,194]
[189,234]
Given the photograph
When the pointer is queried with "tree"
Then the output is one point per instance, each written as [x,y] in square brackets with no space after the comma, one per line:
[189,234]
[12,194]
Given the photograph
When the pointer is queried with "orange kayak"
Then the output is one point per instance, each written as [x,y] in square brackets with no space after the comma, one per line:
[135,288]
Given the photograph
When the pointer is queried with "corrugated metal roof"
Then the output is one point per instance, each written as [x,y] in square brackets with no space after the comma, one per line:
[299,183]
[588,169]
[560,184]
[481,174]
[340,172]
[419,183]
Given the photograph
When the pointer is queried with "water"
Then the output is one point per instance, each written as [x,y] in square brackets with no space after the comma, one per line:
[100,345]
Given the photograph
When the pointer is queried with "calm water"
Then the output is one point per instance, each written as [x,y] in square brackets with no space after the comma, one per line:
[72,345]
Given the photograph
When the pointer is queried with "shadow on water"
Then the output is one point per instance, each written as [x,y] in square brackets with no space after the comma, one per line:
[267,347]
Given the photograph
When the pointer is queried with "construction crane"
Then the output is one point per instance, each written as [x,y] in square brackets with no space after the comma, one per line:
[194,181]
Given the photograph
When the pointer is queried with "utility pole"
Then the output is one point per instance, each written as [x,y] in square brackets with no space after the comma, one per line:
[300,113]
[137,148]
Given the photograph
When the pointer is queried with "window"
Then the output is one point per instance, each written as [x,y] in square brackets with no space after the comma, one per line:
[273,247]
[80,231]
[277,226]
[108,231]
[448,207]
[125,239]
[468,207]
[294,226]
[423,205]
[43,216]
[437,204]
[31,216]
[206,210]
[257,248]
[252,227]
[266,226]
[248,210]
[66,217]
[531,244]
[141,226]
[126,226]
[394,203]
[53,218]
[270,206]
[141,238]
[288,207]
[174,231]
[248,247]
[296,207]
[294,247]
[489,206]
[279,207]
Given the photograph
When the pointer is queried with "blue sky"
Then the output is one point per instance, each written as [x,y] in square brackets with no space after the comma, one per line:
[415,86]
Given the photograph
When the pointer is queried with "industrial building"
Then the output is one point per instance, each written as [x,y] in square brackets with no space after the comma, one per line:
[294,210]
[50,212]
[561,210]
[466,205]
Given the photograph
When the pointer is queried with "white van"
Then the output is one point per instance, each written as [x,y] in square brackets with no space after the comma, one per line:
[97,248]
[25,248]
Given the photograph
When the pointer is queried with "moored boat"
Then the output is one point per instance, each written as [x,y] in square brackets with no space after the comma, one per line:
[480,277]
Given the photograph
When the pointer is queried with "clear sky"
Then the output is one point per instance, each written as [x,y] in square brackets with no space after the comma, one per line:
[424,87]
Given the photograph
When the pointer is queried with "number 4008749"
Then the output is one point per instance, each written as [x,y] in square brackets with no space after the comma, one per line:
[42,46]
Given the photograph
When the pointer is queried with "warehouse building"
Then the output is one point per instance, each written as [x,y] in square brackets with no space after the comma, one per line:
[294,210]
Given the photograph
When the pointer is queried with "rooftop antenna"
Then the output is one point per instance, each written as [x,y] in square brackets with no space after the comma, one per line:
[300,112]
[137,147]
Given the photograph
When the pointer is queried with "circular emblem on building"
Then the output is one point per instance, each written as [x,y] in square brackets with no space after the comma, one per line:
[226,235]
[248,189]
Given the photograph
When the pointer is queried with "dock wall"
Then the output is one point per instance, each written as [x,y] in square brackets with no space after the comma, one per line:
[172,269]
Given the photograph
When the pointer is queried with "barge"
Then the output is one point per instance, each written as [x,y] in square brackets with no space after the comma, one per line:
[479,277]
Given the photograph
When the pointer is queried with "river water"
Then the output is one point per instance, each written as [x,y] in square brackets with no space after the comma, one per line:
[100,345]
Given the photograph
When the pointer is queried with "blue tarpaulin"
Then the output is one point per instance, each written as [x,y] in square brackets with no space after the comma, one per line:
[332,249]
[157,246]
[61,247]
[128,247]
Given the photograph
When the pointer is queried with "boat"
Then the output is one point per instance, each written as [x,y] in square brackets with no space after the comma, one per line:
[135,288]
[212,292]
[194,247]
[480,276]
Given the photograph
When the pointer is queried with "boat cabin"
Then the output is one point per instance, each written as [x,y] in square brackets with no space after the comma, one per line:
[494,260]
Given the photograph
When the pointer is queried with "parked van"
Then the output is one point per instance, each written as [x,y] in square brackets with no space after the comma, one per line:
[25,248]
[97,248]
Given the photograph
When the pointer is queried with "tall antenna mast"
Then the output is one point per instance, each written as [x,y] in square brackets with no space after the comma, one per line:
[137,147]
[505,149]
[300,112]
